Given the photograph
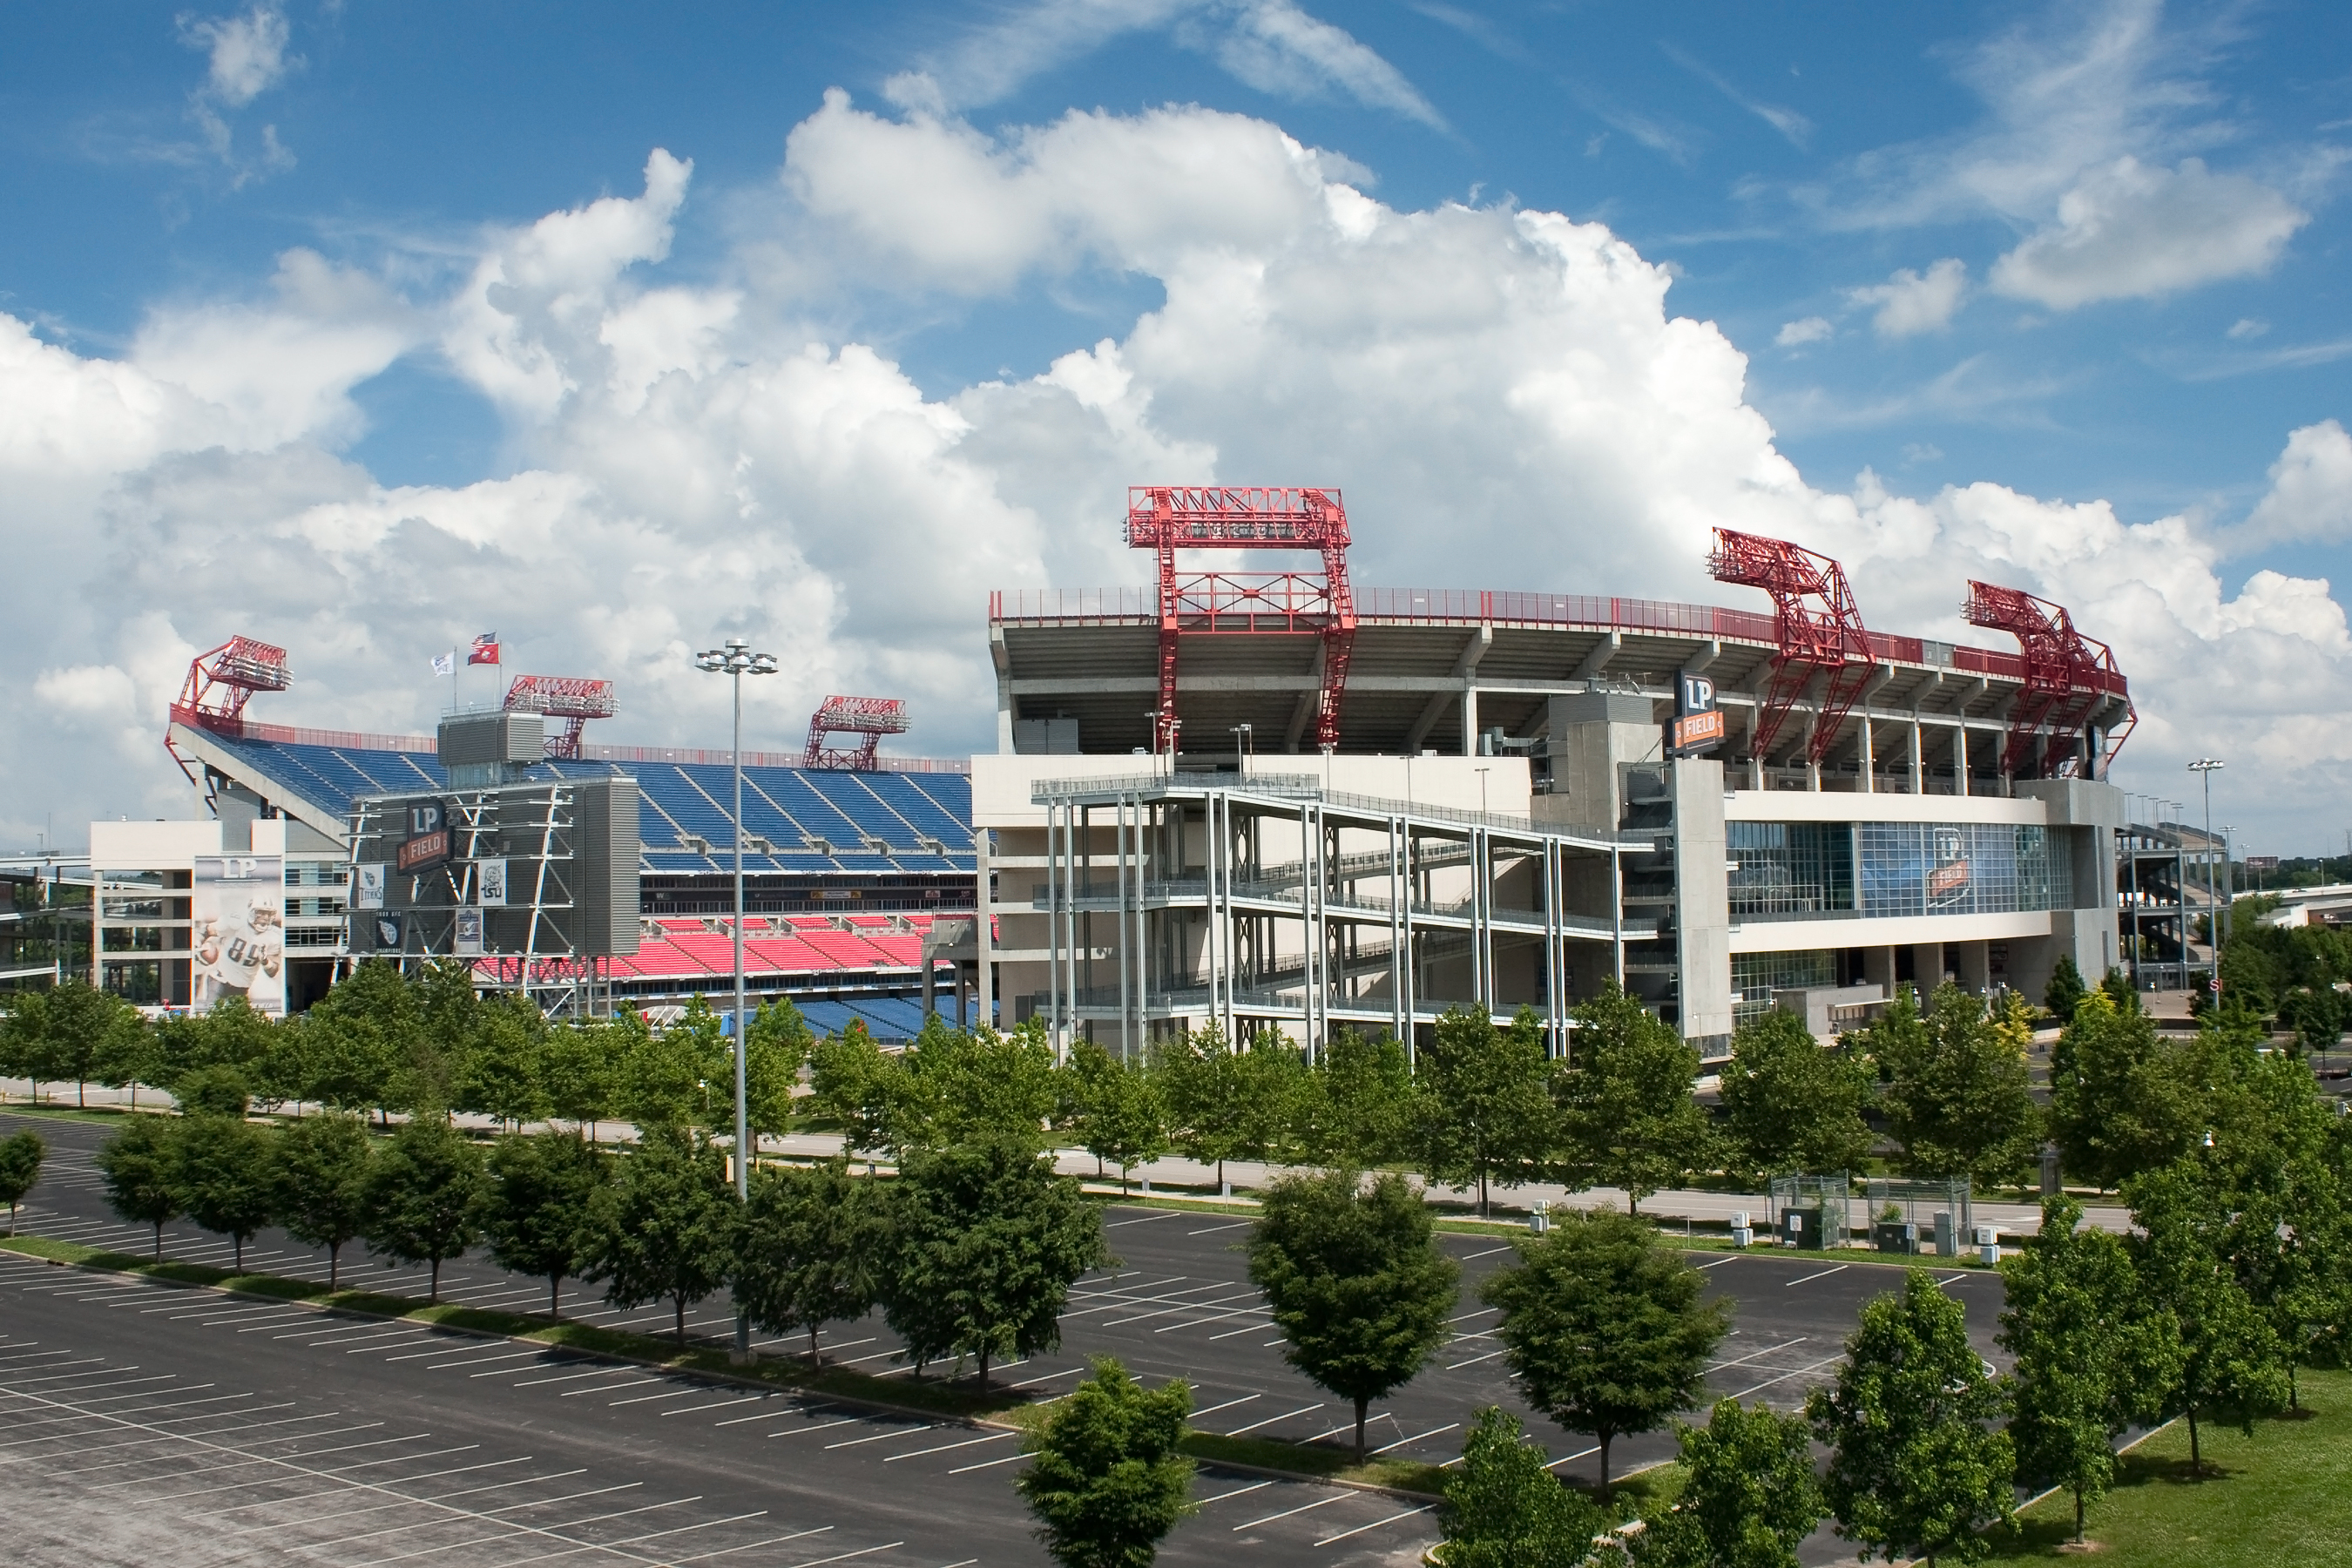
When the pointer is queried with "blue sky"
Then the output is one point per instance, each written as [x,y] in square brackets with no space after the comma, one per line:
[2067,280]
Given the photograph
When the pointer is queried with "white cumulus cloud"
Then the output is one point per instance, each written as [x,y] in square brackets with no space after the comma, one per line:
[1910,303]
[2311,490]
[1812,330]
[2128,230]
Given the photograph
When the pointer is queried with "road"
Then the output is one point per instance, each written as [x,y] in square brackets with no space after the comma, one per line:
[1177,1304]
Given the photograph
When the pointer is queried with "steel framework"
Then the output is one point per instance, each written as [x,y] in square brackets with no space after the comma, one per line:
[1167,518]
[2067,675]
[575,699]
[1830,641]
[220,682]
[867,718]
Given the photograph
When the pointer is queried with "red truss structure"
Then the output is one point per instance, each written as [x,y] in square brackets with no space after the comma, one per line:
[867,718]
[2067,675]
[572,699]
[1829,641]
[1169,518]
[220,683]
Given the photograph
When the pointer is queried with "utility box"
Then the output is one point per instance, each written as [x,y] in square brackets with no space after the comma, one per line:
[1947,1236]
[1988,1246]
[1801,1228]
[1742,1233]
[1896,1237]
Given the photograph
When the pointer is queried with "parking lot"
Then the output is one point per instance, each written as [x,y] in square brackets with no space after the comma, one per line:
[1177,1304]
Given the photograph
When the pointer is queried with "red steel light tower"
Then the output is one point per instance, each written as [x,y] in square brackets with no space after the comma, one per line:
[2067,675]
[867,718]
[1169,518]
[220,683]
[572,699]
[1829,641]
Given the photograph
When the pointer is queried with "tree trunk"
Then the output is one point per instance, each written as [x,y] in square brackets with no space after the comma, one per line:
[2196,1459]
[2078,1516]
[159,1241]
[1482,1192]
[983,1371]
[680,1302]
[81,1095]
[1633,1204]
[434,1292]
[237,1243]
[1222,1189]
[1361,1403]
[816,1361]
[334,1261]
[1604,1438]
[2294,1394]
[555,1295]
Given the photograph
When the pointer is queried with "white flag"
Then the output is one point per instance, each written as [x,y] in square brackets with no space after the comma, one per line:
[445,664]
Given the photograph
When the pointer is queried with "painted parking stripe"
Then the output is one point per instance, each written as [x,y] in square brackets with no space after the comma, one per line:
[1375,1524]
[1823,1275]
[1303,1410]
[943,1447]
[1285,1513]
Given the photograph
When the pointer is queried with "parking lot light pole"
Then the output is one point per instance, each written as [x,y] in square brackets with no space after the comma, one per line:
[2203,768]
[737,661]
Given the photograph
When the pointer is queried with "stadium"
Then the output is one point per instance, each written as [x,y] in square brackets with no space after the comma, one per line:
[1253,798]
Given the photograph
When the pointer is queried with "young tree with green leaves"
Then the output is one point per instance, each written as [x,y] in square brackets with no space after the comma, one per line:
[2065,990]
[1276,1085]
[1108,1478]
[1357,1107]
[810,1250]
[2122,1101]
[126,1055]
[1505,1509]
[79,1020]
[2231,1365]
[505,1072]
[2091,1358]
[681,1075]
[1918,1465]
[1605,1326]
[1121,1109]
[1790,1105]
[665,1228]
[1628,1117]
[539,1205]
[425,1197]
[1956,1095]
[851,1082]
[223,1177]
[448,1032]
[27,1048]
[319,1171]
[1485,1115]
[1207,1088]
[360,1038]
[20,1167]
[986,1241]
[1748,1497]
[138,1169]
[956,1087]
[582,1065]
[779,1042]
[1355,1282]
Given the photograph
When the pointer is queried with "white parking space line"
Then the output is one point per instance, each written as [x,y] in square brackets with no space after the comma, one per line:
[1228,1405]
[1823,1275]
[1571,1458]
[1474,1256]
[820,1426]
[1785,1377]
[1717,1263]
[1303,1410]
[648,1398]
[1212,1230]
[1146,1219]
[988,1463]
[1417,1436]
[634,1383]
[1758,1355]
[1285,1513]
[1474,1361]
[1375,1524]
[880,1437]
[1237,1491]
[717,1405]
[571,1377]
[943,1447]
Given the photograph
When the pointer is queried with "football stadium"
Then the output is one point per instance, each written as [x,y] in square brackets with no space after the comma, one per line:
[1261,798]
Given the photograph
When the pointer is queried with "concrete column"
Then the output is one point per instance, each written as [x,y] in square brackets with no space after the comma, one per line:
[1961,759]
[1918,767]
[1813,777]
[1973,962]
[1869,760]
[1470,720]
[1928,967]
[1702,896]
[1878,968]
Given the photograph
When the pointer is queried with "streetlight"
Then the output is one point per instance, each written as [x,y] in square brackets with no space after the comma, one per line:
[737,661]
[1241,734]
[2203,768]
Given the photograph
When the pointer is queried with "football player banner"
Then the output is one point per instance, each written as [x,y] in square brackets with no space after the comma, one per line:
[236,937]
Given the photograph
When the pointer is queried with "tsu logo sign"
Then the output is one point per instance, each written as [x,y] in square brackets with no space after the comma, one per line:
[1698,722]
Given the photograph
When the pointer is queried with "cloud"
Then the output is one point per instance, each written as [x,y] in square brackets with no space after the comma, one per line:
[690,455]
[246,57]
[1909,304]
[2130,231]
[1794,127]
[2310,490]
[1270,45]
[2247,327]
[1812,330]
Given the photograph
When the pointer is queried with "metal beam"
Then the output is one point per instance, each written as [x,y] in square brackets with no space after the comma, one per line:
[1466,666]
[1303,711]
[1598,659]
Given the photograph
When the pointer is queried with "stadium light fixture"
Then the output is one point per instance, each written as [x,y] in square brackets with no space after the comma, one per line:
[737,660]
[2203,768]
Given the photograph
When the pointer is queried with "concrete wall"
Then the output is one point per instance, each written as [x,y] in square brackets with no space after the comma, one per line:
[1702,898]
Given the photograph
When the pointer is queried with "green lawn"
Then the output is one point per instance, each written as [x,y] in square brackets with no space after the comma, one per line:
[2282,1495]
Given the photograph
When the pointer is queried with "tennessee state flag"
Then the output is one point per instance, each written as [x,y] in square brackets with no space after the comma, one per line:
[485,649]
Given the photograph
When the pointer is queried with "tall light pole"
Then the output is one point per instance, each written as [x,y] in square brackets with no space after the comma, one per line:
[1241,733]
[2203,768]
[737,661]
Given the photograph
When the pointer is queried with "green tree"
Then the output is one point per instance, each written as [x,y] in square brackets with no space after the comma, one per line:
[1918,1467]
[80,1020]
[20,1167]
[216,1088]
[664,1230]
[684,1076]
[986,1241]
[1355,1282]
[1503,1508]
[425,1197]
[362,1037]
[955,1086]
[449,1026]
[808,1254]
[539,1204]
[138,1169]
[126,1054]
[1357,1109]
[1121,1109]
[223,1177]
[1957,1093]
[27,1049]
[505,1070]
[583,1073]
[1485,1113]
[1788,1104]
[1628,1118]
[2121,1101]
[1605,1326]
[2231,1365]
[2090,1360]
[2066,989]
[319,1184]
[1207,1085]
[1749,1498]
[1106,1479]
[853,1084]
[1278,1086]
[780,1039]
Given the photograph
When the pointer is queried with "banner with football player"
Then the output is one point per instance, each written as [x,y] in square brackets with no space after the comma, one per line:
[238,935]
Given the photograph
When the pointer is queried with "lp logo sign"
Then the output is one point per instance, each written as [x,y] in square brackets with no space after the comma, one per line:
[423,819]
[1696,695]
